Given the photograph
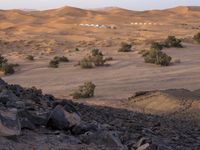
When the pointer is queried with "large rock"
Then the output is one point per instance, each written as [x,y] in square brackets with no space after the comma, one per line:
[32,119]
[63,117]
[104,138]
[9,122]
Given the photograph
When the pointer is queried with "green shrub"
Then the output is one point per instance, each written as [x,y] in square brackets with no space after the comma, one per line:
[30,57]
[125,47]
[54,63]
[172,41]
[197,37]
[8,68]
[61,59]
[84,91]
[96,58]
[158,57]
[86,63]
[157,46]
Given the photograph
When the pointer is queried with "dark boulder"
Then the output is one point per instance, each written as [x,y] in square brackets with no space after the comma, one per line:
[31,119]
[63,117]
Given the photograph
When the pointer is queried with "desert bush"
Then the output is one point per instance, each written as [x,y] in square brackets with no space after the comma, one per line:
[156,46]
[172,41]
[30,57]
[197,37]
[3,60]
[95,58]
[158,57]
[84,91]
[86,63]
[125,47]
[7,68]
[54,63]
[61,59]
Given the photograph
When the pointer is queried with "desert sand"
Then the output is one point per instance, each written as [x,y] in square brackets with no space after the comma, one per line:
[58,32]
[173,91]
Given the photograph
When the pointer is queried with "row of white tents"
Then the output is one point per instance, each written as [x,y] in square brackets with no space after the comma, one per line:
[99,26]
[145,23]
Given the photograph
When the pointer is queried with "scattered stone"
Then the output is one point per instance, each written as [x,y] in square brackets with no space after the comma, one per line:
[84,127]
[143,147]
[109,139]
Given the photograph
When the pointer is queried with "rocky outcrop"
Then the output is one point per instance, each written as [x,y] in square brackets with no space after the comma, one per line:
[28,119]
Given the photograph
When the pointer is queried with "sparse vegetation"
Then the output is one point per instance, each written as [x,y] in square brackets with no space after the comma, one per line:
[125,47]
[86,63]
[96,58]
[8,68]
[30,57]
[3,60]
[197,37]
[172,41]
[77,49]
[54,63]
[156,56]
[61,59]
[84,91]
[156,46]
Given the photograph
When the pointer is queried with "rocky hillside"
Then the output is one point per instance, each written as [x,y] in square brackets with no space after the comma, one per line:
[31,120]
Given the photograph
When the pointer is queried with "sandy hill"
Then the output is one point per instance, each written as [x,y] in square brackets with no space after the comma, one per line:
[77,13]
[63,26]
[174,103]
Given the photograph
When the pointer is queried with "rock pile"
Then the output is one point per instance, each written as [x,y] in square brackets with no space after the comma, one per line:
[32,120]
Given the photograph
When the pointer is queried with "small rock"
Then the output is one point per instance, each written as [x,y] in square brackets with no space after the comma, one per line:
[141,142]
[143,147]
[9,123]
[85,127]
